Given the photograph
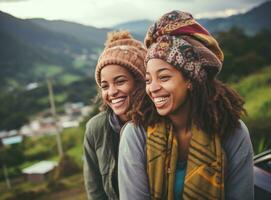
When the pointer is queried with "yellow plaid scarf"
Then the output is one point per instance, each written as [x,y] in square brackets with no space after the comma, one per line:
[204,177]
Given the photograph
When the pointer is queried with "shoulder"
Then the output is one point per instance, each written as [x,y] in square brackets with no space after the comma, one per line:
[96,123]
[97,119]
[133,132]
[238,142]
[133,136]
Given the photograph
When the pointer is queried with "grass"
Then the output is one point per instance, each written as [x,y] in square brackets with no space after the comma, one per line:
[74,186]
[47,70]
[74,189]
[258,102]
[66,79]
[256,89]
[79,63]
[76,153]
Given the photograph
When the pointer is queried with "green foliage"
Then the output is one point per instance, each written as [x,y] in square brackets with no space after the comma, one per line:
[69,78]
[26,195]
[55,185]
[66,167]
[256,91]
[72,137]
[47,70]
[243,54]
[41,147]
[12,155]
[19,105]
[256,88]
[259,129]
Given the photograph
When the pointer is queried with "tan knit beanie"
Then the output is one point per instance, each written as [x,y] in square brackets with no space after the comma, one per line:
[122,49]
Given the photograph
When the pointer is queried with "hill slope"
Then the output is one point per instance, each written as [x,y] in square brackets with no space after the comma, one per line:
[29,53]
[252,21]
[89,34]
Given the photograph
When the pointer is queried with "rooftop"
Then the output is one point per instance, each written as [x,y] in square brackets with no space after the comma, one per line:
[40,167]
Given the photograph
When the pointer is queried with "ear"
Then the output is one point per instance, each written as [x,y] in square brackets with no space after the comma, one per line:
[189,85]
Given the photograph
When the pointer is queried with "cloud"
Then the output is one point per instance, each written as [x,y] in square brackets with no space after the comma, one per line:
[11,1]
[221,13]
[107,13]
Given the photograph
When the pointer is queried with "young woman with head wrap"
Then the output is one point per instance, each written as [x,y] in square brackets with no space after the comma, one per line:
[188,142]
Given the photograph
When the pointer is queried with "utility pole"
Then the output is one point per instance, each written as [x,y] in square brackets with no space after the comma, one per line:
[53,111]
[6,176]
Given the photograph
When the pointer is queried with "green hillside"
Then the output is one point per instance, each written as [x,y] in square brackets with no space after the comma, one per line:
[30,53]
[88,34]
[256,89]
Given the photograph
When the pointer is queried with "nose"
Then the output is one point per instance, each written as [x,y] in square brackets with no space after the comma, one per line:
[153,86]
[112,91]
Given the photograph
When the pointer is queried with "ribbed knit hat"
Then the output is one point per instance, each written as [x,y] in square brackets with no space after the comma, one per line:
[181,41]
[122,49]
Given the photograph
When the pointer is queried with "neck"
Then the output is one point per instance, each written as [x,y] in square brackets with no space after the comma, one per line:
[179,119]
[123,118]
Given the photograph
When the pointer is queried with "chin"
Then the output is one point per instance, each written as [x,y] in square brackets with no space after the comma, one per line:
[163,112]
[119,112]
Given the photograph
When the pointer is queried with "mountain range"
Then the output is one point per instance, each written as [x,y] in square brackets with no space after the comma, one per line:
[32,49]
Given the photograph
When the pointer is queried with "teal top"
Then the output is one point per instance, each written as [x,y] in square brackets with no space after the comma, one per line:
[179,180]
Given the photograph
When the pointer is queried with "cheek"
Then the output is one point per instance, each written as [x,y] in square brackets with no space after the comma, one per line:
[129,88]
[147,90]
[104,95]
[181,95]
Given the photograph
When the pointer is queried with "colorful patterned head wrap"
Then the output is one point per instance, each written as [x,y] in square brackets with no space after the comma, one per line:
[182,42]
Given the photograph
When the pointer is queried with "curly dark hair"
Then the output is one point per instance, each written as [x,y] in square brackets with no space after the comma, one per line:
[214,107]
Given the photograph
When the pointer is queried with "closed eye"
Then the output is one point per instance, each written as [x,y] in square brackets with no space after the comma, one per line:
[121,81]
[104,86]
[147,79]
[164,78]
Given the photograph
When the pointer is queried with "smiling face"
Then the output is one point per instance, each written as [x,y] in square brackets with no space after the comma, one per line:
[117,85]
[166,87]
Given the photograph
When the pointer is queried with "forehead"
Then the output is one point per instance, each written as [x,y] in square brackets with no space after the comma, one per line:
[113,71]
[157,65]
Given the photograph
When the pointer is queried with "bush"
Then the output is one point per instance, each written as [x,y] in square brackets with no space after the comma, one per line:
[260,133]
[55,185]
[66,167]
[26,195]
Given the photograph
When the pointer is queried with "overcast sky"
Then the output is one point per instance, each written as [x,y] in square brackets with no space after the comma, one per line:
[106,13]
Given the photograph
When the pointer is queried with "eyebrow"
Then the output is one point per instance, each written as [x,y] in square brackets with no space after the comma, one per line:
[160,70]
[120,76]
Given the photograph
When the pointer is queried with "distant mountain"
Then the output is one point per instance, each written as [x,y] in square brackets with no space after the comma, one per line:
[54,47]
[30,52]
[38,36]
[139,27]
[16,59]
[89,34]
[252,21]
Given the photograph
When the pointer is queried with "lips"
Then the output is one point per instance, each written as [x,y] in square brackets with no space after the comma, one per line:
[160,101]
[117,102]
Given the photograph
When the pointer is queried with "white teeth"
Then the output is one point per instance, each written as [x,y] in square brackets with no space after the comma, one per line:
[160,99]
[113,101]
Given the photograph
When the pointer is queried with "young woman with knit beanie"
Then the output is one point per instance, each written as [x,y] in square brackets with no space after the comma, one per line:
[189,141]
[120,74]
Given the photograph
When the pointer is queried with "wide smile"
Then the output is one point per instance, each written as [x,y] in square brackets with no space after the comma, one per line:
[160,101]
[117,102]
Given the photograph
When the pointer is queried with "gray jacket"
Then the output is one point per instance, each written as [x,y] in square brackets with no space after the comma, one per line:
[100,158]
[133,179]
